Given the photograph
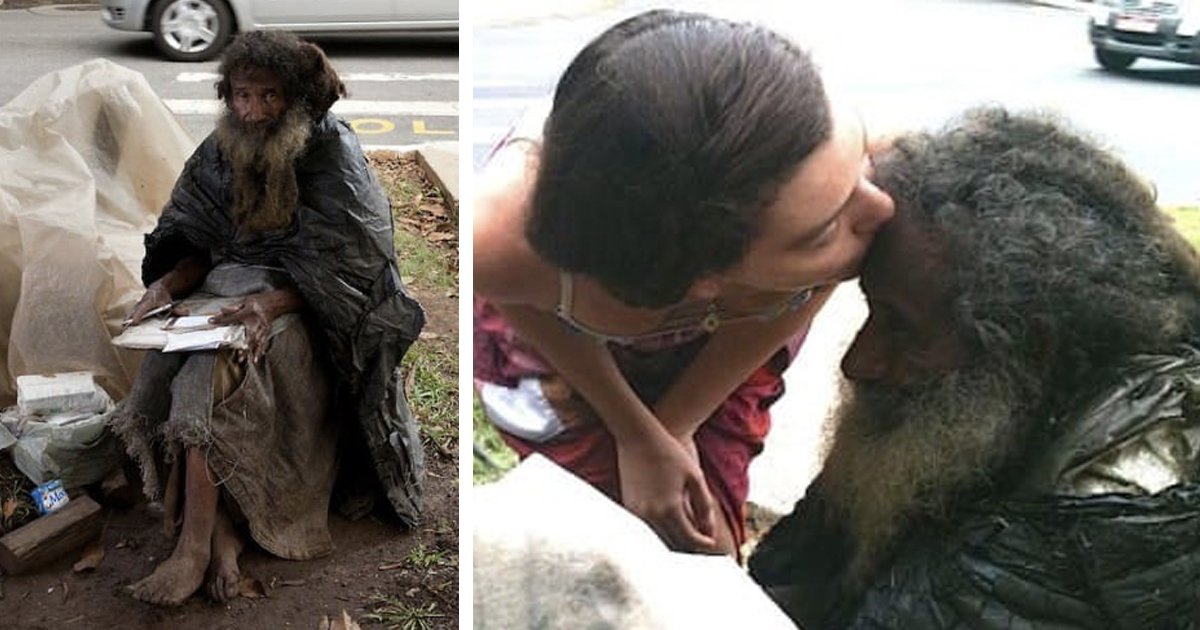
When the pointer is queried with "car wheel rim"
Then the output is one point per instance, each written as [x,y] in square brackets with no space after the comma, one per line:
[189,26]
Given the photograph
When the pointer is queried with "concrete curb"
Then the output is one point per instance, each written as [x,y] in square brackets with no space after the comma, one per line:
[439,160]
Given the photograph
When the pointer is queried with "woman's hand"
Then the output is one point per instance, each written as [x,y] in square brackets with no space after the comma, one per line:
[256,312]
[661,482]
[156,296]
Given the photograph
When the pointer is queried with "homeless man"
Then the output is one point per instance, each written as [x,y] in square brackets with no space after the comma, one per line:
[278,210]
[1020,442]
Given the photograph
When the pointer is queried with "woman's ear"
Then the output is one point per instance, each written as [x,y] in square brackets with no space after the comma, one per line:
[706,287]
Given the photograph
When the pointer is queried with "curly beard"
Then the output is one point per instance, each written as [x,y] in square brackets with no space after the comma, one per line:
[901,455]
[263,155]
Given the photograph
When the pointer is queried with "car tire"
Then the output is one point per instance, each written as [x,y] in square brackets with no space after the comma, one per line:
[1114,61]
[191,30]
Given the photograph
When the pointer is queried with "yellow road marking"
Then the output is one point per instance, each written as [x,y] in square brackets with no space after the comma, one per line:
[420,129]
[371,126]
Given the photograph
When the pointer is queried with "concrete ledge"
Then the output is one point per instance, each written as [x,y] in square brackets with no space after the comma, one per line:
[440,161]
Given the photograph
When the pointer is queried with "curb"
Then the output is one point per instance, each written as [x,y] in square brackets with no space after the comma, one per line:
[439,161]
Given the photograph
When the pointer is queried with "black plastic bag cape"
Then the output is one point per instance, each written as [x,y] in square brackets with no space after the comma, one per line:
[339,253]
[1030,558]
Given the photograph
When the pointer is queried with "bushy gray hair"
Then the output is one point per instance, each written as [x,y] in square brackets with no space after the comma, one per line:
[1059,258]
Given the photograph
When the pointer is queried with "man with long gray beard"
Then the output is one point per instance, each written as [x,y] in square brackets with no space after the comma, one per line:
[1019,443]
[278,214]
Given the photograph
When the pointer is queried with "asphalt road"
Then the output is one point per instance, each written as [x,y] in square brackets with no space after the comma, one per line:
[402,91]
[905,64]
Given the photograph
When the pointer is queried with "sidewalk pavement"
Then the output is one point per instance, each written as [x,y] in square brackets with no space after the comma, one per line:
[493,13]
[800,419]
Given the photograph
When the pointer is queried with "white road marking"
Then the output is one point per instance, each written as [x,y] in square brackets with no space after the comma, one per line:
[366,77]
[207,107]
[398,148]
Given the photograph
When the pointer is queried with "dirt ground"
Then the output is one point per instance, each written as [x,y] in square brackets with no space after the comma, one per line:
[380,574]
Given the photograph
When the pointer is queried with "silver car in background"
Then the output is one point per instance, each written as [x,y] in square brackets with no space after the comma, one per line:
[1123,30]
[197,30]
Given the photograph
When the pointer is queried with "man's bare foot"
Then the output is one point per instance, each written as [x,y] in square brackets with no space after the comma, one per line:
[224,577]
[174,580]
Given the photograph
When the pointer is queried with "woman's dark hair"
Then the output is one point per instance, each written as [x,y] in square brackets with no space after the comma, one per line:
[1057,255]
[669,134]
[308,78]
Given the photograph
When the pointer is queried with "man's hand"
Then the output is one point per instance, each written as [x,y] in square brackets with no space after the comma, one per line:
[663,485]
[256,312]
[155,297]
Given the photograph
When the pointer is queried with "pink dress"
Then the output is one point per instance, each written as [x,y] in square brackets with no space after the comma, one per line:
[536,410]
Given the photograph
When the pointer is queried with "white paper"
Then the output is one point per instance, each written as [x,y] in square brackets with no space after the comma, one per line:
[209,339]
[188,322]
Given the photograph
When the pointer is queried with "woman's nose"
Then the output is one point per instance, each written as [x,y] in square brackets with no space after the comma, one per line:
[876,209]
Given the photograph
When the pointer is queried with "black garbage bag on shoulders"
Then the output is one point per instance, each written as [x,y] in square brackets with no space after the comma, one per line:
[1033,557]
[340,254]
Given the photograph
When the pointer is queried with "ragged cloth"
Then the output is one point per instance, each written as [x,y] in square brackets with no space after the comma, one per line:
[265,428]
[339,254]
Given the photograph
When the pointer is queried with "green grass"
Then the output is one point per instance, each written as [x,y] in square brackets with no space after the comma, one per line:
[422,558]
[1187,221]
[395,614]
[433,392]
[420,262]
[493,457]
[431,365]
[423,264]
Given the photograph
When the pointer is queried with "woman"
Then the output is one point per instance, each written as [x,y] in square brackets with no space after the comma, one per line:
[645,272]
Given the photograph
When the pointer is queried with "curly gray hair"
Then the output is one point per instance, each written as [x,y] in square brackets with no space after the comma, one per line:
[1059,259]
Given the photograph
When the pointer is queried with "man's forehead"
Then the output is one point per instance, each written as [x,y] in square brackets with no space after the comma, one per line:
[904,250]
[248,76]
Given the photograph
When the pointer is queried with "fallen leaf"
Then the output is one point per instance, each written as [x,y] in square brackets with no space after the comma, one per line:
[90,558]
[344,623]
[251,588]
[434,209]
[437,237]
[10,506]
[425,334]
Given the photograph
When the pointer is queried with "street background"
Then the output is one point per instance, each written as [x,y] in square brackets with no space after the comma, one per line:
[402,90]
[905,64]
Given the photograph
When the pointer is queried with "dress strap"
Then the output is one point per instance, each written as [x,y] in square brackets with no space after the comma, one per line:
[566,295]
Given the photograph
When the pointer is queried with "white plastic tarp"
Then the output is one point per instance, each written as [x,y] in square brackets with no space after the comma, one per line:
[551,552]
[88,157]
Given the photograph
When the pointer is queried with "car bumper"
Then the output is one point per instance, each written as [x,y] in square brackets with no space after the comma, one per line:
[124,15]
[1164,43]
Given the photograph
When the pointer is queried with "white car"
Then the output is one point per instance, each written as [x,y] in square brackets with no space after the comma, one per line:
[197,30]
[1123,30]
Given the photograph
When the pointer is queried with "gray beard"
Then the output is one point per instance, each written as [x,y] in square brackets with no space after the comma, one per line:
[263,155]
[899,455]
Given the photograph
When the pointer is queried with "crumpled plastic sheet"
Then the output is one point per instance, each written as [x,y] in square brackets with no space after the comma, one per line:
[72,446]
[89,156]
